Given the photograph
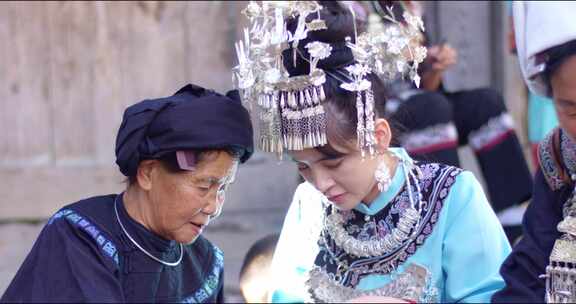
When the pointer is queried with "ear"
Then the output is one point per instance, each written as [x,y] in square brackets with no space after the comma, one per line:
[144,174]
[383,134]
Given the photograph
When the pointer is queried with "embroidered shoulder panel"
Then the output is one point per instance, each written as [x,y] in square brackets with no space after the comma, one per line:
[557,158]
[210,286]
[105,245]
[434,186]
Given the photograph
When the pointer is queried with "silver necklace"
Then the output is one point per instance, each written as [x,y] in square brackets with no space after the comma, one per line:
[405,229]
[140,247]
[322,287]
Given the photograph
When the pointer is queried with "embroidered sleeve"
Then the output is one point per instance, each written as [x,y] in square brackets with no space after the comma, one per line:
[299,235]
[67,264]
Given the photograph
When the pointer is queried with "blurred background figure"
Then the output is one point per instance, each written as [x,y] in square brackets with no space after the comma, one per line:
[255,274]
[541,118]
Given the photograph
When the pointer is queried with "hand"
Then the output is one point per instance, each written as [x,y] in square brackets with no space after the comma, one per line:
[376,299]
[442,57]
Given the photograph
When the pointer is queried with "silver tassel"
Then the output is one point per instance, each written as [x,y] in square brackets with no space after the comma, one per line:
[360,124]
[369,123]
[322,94]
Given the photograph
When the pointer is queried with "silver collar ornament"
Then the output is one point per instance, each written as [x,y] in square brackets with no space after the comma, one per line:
[291,113]
[561,272]
[324,287]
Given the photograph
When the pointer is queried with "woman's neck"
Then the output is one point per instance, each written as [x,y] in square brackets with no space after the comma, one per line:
[136,203]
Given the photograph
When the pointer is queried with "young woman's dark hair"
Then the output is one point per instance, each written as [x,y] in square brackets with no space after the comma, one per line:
[340,104]
[555,57]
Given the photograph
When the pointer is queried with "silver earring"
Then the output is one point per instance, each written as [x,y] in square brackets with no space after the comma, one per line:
[382,176]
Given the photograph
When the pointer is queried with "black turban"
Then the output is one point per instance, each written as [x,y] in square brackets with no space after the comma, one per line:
[193,118]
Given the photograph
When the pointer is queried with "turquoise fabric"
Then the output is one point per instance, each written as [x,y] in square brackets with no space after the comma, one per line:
[463,253]
[541,117]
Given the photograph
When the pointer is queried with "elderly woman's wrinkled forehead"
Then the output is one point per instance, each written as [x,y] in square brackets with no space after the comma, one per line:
[190,160]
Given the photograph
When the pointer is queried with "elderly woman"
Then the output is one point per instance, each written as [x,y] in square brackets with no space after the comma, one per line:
[145,245]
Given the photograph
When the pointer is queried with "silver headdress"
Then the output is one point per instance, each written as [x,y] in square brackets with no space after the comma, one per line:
[291,113]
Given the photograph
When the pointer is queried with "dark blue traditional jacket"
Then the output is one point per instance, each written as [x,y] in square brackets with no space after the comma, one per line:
[82,255]
[553,187]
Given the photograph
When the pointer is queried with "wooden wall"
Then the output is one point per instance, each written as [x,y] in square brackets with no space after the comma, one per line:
[67,71]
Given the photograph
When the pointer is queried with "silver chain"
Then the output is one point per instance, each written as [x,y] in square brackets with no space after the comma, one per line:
[140,247]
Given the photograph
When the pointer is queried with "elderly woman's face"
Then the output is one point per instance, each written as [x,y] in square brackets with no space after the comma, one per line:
[183,202]
[563,83]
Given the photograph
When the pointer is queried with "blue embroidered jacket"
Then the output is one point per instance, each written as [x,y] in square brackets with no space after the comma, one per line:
[460,242]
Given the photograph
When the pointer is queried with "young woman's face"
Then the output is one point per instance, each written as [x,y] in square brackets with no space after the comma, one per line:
[563,83]
[345,180]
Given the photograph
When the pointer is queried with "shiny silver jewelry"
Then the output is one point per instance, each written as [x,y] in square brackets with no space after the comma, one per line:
[412,284]
[561,272]
[406,227]
[372,248]
[140,247]
[291,112]
[382,176]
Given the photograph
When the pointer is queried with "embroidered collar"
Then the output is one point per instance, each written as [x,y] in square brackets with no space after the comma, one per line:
[349,270]
[557,158]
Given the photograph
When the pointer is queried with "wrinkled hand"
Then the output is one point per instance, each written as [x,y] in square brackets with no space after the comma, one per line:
[442,57]
[376,299]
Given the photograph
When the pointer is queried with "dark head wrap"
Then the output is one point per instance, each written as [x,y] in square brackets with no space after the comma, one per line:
[192,118]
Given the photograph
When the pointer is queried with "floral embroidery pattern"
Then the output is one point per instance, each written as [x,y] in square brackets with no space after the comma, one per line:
[557,145]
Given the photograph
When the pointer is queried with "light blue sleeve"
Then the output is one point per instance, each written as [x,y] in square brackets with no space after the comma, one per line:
[297,247]
[474,245]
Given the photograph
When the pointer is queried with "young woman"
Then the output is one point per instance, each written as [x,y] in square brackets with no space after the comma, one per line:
[379,225]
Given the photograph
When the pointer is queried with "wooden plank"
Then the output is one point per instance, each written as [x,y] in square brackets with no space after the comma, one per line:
[34,193]
[24,119]
[71,29]
[109,92]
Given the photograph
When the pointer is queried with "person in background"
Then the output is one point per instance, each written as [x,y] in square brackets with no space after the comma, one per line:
[541,114]
[179,154]
[542,265]
[255,274]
